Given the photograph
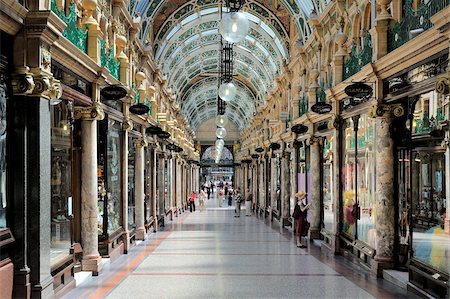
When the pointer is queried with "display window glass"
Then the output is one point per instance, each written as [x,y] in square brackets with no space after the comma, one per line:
[61,174]
[131,183]
[3,100]
[166,185]
[348,175]
[148,181]
[268,181]
[113,175]
[431,243]
[278,182]
[328,181]
[358,178]
[109,176]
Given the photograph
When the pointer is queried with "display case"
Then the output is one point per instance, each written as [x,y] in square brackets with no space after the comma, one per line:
[61,176]
[327,183]
[109,186]
[131,184]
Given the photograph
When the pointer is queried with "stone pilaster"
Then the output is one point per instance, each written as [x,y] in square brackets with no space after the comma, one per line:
[154,194]
[315,190]
[385,207]
[139,193]
[126,126]
[285,188]
[160,175]
[89,191]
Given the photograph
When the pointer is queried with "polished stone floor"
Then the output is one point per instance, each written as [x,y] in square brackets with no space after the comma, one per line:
[212,254]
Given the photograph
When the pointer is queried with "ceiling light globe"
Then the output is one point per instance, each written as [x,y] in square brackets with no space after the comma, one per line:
[234,27]
[227,91]
[220,143]
[221,133]
[221,121]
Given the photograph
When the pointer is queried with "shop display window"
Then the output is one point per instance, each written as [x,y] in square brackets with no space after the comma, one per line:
[431,243]
[131,183]
[166,185]
[109,176]
[61,173]
[148,182]
[358,179]
[328,181]
[278,182]
[3,99]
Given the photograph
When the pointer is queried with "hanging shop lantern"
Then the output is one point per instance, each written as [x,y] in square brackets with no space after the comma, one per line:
[234,26]
[220,142]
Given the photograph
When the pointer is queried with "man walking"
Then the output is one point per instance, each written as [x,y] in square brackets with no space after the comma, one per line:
[237,199]
[248,203]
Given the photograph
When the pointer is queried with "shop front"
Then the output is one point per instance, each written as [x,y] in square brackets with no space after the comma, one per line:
[358,170]
[422,165]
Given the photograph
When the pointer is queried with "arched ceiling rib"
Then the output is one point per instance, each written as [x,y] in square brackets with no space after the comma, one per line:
[186,44]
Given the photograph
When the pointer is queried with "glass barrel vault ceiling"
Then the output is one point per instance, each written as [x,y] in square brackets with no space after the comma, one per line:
[186,47]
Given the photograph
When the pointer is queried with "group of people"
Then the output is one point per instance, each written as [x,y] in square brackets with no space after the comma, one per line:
[238,201]
[201,201]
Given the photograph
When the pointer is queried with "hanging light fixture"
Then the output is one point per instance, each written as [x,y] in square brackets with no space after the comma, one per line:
[221,133]
[227,91]
[234,24]
[220,142]
[221,121]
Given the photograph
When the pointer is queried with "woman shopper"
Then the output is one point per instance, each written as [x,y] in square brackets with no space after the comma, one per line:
[299,215]
[201,201]
[238,200]
[192,201]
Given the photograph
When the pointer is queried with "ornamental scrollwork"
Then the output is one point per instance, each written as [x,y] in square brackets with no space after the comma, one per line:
[94,112]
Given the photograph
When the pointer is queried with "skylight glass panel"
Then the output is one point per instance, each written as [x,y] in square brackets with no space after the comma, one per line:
[262,49]
[280,47]
[209,11]
[173,31]
[268,30]
[306,6]
[210,32]
[252,18]
[189,19]
[141,6]
[192,38]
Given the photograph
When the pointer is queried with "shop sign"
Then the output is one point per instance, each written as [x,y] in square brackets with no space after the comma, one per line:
[275,146]
[255,156]
[299,129]
[163,135]
[358,90]
[321,108]
[152,130]
[113,92]
[259,150]
[139,109]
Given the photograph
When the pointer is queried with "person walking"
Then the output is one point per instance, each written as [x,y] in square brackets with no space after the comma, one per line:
[248,203]
[220,196]
[237,200]
[230,197]
[192,201]
[201,201]
[299,215]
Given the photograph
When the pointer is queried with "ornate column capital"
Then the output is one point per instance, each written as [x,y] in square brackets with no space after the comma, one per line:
[141,142]
[127,124]
[385,110]
[94,112]
[445,143]
[442,85]
[36,85]
[314,140]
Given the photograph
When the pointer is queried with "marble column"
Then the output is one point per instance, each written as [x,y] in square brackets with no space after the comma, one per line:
[160,176]
[385,208]
[273,185]
[285,188]
[139,192]
[154,198]
[255,181]
[126,126]
[315,190]
[178,186]
[89,191]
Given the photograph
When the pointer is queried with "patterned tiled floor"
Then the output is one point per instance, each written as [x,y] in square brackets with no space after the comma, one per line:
[212,254]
